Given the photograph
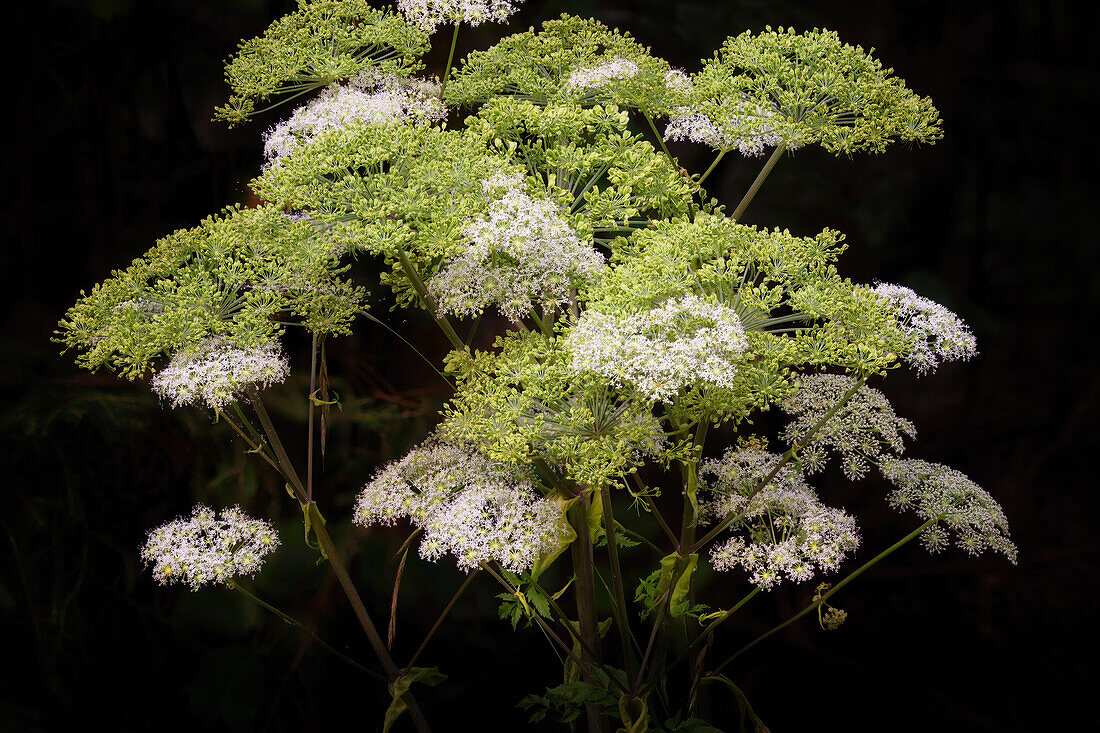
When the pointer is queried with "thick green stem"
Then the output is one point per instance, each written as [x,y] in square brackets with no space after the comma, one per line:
[832,591]
[760,178]
[429,302]
[309,429]
[295,622]
[783,460]
[450,59]
[584,589]
[617,584]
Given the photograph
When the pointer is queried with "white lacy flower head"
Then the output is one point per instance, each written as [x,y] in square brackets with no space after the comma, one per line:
[371,98]
[468,507]
[505,523]
[214,373]
[784,532]
[523,252]
[859,432]
[728,481]
[596,76]
[748,129]
[430,14]
[208,549]
[934,333]
[677,81]
[959,506]
[685,342]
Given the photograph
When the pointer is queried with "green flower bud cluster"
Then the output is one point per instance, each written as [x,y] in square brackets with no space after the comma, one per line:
[322,43]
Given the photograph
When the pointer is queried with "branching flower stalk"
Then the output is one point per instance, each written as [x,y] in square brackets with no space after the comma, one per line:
[636,318]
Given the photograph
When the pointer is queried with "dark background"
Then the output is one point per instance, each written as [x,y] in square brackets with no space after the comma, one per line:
[110,145]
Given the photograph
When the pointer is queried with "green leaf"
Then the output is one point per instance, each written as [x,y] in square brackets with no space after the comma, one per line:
[678,602]
[430,676]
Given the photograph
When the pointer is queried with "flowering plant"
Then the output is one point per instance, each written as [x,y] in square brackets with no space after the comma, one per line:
[634,318]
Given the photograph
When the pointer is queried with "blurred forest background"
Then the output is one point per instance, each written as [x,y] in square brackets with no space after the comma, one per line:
[110,145]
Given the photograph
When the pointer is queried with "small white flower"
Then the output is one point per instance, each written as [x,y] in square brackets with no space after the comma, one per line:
[208,549]
[859,432]
[784,532]
[214,373]
[597,76]
[523,252]
[748,129]
[685,342]
[677,81]
[468,507]
[958,505]
[429,14]
[369,98]
[934,333]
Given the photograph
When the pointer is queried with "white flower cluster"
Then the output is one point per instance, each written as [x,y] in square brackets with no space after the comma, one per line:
[959,505]
[677,81]
[748,130]
[371,98]
[785,532]
[934,333]
[597,76]
[430,14]
[205,548]
[523,251]
[471,508]
[214,373]
[732,478]
[686,341]
[859,432]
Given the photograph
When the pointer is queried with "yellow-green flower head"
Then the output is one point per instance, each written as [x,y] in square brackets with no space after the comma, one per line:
[588,160]
[796,89]
[235,276]
[570,59]
[524,400]
[208,549]
[322,43]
